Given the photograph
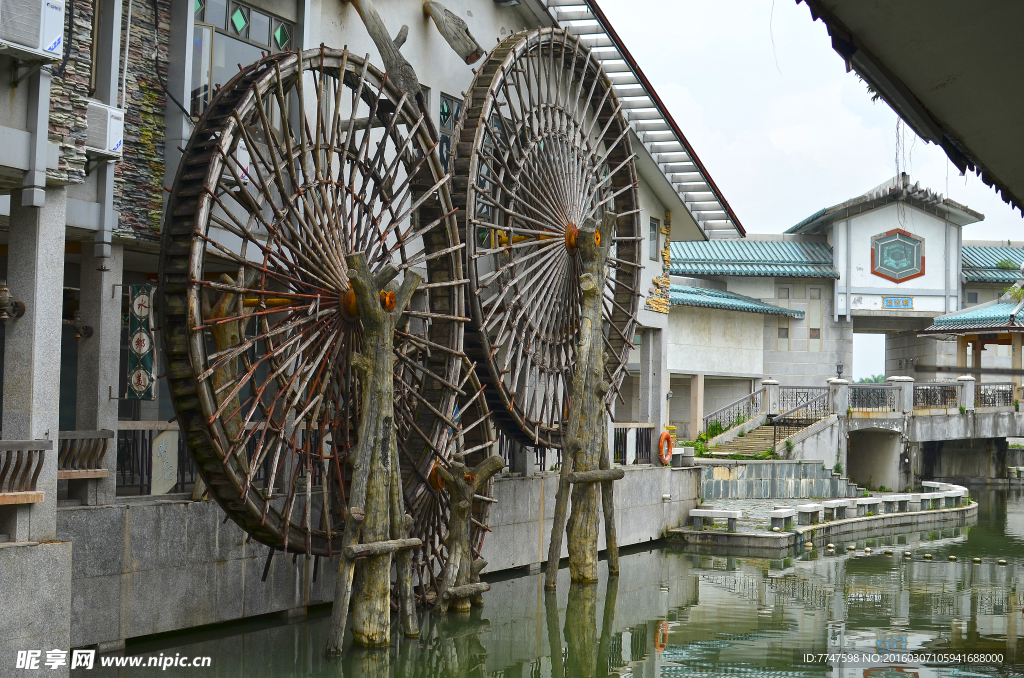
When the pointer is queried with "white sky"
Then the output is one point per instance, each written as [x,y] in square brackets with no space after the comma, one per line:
[782,141]
[785,131]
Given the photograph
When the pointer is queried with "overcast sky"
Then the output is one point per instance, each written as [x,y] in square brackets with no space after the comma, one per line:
[784,130]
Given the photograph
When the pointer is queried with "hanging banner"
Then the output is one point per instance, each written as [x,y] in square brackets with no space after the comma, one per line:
[141,377]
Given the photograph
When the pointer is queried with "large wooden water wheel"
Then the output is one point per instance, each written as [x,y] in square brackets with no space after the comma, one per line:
[299,160]
[541,147]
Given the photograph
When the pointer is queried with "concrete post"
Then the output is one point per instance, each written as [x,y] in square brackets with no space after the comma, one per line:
[1015,362]
[524,460]
[99,363]
[35,276]
[653,383]
[906,385]
[976,348]
[772,396]
[965,392]
[696,405]
[839,392]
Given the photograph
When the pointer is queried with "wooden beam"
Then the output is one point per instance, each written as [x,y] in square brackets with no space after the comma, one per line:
[8,498]
[455,31]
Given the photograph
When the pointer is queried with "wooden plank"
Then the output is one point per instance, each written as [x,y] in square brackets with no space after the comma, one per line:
[84,435]
[23,445]
[79,474]
[8,498]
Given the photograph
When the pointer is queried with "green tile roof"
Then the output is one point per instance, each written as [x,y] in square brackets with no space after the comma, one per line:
[684,295]
[980,264]
[986,317]
[769,258]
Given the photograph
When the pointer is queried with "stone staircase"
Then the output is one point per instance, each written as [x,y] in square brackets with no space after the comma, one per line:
[756,442]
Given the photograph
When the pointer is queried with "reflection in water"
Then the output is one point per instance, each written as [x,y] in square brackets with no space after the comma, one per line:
[672,614]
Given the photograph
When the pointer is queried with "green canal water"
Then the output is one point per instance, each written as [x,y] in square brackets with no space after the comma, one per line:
[670,613]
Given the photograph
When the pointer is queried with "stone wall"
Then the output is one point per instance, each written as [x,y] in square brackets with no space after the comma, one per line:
[69,95]
[738,479]
[521,520]
[35,584]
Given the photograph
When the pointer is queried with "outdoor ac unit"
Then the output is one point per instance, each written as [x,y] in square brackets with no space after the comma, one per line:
[32,29]
[105,136]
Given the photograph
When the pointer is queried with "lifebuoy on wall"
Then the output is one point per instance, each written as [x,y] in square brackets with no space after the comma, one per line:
[665,448]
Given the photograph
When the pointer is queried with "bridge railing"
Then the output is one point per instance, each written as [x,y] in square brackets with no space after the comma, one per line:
[936,395]
[800,417]
[875,398]
[993,394]
[794,396]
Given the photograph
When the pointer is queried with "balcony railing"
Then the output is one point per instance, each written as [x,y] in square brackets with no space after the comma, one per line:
[875,398]
[80,454]
[995,394]
[791,397]
[635,448]
[21,461]
[135,457]
[800,417]
[734,414]
[938,395]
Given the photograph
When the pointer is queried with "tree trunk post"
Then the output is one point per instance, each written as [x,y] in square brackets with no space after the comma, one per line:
[460,570]
[581,629]
[373,511]
[585,449]
[399,70]
[455,31]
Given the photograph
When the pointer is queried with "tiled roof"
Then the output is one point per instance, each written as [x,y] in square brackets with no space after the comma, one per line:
[684,295]
[981,264]
[986,317]
[753,258]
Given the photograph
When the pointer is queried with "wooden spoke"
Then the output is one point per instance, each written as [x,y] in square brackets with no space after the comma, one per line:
[548,148]
[300,160]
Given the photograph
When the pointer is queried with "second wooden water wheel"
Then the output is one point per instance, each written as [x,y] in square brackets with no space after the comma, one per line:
[541,147]
[300,160]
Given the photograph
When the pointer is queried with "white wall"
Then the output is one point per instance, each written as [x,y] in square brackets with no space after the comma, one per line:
[928,289]
[711,341]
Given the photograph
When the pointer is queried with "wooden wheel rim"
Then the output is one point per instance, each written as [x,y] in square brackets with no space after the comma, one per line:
[303,283]
[558,153]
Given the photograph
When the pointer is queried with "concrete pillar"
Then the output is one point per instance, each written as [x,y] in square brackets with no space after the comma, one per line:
[1015,363]
[906,385]
[961,351]
[965,392]
[524,460]
[976,348]
[35,276]
[653,383]
[839,391]
[696,405]
[99,364]
[772,396]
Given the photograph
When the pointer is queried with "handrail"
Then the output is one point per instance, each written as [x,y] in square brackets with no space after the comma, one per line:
[801,406]
[734,403]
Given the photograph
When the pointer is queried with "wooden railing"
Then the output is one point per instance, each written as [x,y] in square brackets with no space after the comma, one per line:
[80,454]
[21,461]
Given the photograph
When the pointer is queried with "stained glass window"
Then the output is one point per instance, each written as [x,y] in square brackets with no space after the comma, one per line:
[897,255]
[240,20]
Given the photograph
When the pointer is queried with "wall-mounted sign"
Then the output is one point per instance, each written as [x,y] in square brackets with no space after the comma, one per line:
[897,255]
[903,303]
[165,462]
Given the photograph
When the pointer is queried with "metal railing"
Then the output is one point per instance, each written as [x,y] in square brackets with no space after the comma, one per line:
[135,457]
[734,414]
[641,443]
[21,461]
[794,396]
[875,398]
[935,395]
[994,394]
[80,453]
[800,417]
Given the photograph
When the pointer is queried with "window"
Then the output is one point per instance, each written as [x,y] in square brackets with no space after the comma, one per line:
[783,293]
[814,319]
[655,237]
[783,334]
[972,297]
[448,115]
[227,34]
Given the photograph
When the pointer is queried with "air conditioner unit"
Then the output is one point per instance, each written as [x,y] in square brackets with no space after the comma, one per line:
[32,30]
[105,135]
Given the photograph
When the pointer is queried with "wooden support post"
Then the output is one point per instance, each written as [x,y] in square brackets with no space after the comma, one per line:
[585,450]
[554,633]
[455,31]
[371,513]
[961,351]
[459,585]
[611,594]
[581,629]
[400,71]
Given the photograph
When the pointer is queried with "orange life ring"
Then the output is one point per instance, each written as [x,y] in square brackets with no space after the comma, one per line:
[661,639]
[665,451]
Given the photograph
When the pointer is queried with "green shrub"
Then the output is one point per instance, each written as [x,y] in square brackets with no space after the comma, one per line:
[789,446]
[838,468]
[963,410]
[1006,265]
[1016,293]
[715,428]
[741,434]
[1016,406]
